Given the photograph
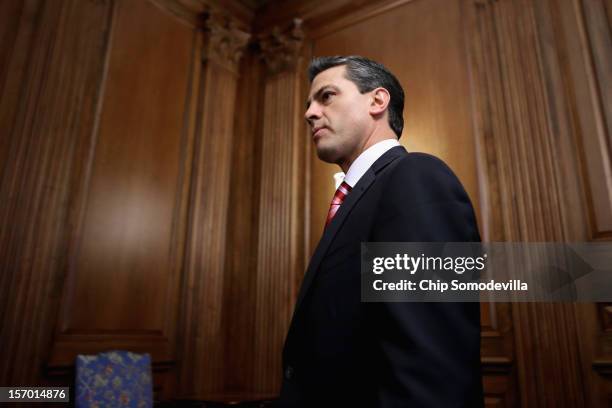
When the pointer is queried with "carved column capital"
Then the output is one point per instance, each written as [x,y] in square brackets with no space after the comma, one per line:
[281,49]
[223,42]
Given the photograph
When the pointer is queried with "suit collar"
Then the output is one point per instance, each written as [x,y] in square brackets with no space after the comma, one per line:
[387,158]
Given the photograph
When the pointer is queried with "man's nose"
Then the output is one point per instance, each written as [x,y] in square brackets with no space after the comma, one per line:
[313,112]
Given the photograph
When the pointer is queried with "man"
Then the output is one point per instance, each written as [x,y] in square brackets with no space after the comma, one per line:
[341,352]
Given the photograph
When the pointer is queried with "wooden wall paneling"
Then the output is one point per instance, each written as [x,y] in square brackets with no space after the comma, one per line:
[583,97]
[596,352]
[20,21]
[497,347]
[554,42]
[514,72]
[280,241]
[165,376]
[592,111]
[599,45]
[556,38]
[201,333]
[126,249]
[48,104]
[590,65]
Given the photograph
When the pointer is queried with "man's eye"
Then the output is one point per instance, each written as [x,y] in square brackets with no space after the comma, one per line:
[326,96]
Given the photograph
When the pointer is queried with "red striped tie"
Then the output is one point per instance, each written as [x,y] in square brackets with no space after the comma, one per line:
[339,197]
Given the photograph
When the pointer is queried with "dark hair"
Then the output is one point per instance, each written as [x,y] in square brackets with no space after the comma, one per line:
[367,75]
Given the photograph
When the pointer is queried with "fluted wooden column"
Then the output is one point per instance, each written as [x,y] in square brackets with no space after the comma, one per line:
[201,334]
[522,148]
[281,211]
[47,110]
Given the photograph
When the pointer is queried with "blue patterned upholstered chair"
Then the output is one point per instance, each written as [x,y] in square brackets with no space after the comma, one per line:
[114,379]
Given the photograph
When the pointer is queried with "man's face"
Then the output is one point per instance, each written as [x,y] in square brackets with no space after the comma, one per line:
[338,116]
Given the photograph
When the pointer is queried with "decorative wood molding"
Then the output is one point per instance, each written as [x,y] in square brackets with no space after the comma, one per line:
[224,43]
[241,245]
[281,237]
[188,12]
[321,17]
[201,348]
[243,14]
[191,11]
[496,333]
[281,48]
[497,365]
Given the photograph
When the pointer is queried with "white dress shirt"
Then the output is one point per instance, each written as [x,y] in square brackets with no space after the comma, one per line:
[364,161]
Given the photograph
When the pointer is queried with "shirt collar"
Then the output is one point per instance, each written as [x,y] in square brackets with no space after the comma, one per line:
[364,161]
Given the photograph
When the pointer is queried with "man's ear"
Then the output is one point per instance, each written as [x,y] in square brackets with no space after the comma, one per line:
[380,101]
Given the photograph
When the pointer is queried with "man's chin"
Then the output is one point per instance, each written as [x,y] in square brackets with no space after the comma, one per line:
[327,155]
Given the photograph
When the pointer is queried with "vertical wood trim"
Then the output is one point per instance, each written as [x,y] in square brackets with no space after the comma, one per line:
[239,293]
[580,122]
[206,254]
[201,333]
[280,240]
[594,36]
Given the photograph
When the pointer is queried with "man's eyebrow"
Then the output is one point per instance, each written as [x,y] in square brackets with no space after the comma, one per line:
[319,92]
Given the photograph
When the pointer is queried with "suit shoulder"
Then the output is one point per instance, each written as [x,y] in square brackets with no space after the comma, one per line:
[417,165]
[421,176]
[423,200]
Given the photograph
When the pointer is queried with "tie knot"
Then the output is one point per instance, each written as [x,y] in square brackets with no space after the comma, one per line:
[341,193]
[339,197]
[343,190]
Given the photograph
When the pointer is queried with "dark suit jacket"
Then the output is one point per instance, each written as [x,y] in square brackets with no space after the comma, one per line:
[341,352]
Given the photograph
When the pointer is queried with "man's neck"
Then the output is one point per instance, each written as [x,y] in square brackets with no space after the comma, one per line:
[368,142]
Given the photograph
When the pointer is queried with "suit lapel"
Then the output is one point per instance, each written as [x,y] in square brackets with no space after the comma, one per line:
[332,229]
